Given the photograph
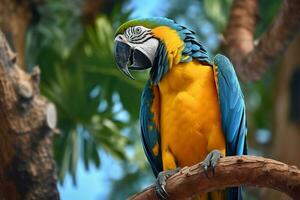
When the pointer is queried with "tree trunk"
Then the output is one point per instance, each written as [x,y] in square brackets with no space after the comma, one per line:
[252,59]
[27,169]
[15,17]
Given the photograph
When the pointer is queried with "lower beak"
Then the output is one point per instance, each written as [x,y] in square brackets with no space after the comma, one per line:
[124,57]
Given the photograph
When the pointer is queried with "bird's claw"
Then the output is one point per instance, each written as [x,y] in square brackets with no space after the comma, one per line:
[211,161]
[160,185]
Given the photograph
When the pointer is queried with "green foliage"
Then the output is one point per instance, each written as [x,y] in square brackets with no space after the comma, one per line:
[260,102]
[217,11]
[79,75]
[267,12]
[136,173]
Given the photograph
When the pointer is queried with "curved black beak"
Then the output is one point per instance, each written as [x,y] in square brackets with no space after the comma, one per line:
[124,57]
[129,58]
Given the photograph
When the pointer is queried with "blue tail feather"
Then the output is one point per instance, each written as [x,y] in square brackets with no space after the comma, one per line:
[235,193]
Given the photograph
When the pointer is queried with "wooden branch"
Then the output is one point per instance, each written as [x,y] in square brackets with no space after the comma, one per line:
[27,169]
[251,59]
[230,171]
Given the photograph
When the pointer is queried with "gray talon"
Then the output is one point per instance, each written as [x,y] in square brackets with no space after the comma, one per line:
[160,185]
[211,161]
[205,170]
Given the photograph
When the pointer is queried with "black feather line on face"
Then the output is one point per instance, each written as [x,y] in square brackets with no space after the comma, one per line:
[139,38]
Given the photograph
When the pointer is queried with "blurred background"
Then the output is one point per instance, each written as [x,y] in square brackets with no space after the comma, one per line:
[98,151]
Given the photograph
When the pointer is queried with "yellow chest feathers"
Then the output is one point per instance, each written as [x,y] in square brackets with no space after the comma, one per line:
[190,122]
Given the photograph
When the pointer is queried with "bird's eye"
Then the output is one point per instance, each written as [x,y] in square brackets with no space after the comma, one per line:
[138,30]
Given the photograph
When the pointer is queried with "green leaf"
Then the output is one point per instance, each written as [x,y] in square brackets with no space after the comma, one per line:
[75,154]
[217,12]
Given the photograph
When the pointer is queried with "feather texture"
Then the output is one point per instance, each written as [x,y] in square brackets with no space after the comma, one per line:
[150,133]
[233,114]
[179,48]
[160,66]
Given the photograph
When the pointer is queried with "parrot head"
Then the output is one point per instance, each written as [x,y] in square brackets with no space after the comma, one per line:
[157,43]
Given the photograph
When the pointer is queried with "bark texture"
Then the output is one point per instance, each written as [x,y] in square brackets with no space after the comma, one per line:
[27,168]
[251,59]
[231,171]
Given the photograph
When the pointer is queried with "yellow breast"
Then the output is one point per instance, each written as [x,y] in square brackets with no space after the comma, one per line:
[190,122]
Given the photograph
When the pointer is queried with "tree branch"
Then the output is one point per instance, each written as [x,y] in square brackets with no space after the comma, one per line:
[230,171]
[27,169]
[252,59]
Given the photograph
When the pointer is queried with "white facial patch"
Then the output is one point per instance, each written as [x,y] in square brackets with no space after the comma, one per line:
[148,48]
[141,38]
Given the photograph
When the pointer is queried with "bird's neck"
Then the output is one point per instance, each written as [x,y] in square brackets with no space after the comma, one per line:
[180,77]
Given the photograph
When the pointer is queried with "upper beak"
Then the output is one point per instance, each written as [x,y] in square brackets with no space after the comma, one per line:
[124,57]
[131,58]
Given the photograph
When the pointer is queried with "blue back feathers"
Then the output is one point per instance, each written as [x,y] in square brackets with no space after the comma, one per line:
[193,49]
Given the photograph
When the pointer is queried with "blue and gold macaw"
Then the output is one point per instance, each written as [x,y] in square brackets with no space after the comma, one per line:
[192,109]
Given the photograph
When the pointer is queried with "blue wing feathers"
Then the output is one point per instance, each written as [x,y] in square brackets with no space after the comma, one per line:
[195,48]
[233,114]
[150,134]
[232,106]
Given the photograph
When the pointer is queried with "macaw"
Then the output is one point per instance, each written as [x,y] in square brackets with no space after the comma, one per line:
[192,109]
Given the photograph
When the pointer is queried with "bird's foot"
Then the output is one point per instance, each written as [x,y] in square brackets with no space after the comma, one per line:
[211,161]
[160,185]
